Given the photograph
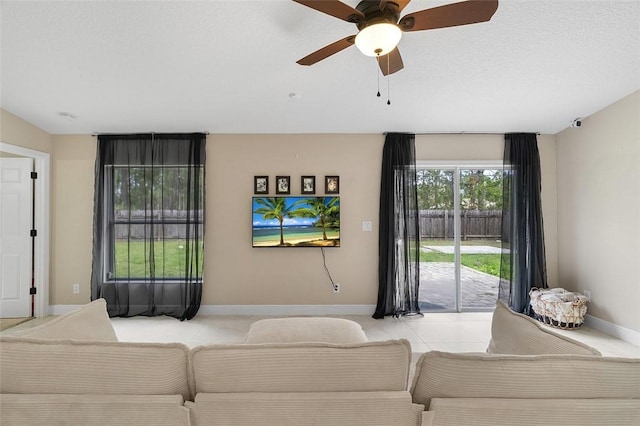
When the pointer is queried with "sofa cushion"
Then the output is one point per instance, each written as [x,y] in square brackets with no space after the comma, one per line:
[35,366]
[90,322]
[308,408]
[518,334]
[93,410]
[301,367]
[323,330]
[542,412]
[449,375]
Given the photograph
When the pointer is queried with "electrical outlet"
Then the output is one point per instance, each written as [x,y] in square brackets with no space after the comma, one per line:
[336,288]
[76,289]
[587,294]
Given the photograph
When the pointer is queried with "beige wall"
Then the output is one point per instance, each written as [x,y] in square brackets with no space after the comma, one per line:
[72,218]
[16,131]
[599,211]
[236,273]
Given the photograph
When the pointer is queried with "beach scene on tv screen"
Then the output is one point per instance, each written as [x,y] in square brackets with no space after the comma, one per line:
[296,221]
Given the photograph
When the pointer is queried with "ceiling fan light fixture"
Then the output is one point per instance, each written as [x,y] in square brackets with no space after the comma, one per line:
[378,39]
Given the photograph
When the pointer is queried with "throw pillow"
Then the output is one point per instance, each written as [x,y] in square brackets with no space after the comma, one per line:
[90,322]
[293,330]
[517,334]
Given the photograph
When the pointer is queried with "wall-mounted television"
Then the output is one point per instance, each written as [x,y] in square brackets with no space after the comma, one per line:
[296,221]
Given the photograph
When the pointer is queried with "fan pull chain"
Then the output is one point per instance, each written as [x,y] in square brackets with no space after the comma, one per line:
[378,74]
[388,80]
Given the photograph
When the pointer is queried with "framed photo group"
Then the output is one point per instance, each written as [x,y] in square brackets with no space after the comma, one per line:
[307,185]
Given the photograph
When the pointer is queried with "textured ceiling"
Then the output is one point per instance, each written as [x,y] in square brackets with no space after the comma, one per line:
[230,67]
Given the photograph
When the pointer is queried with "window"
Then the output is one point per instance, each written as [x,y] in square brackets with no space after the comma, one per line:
[149,224]
[150,221]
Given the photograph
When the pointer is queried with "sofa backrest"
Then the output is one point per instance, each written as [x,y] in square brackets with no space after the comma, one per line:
[517,334]
[301,367]
[32,366]
[449,375]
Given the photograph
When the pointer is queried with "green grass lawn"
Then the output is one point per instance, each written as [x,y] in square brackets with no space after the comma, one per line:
[441,242]
[132,259]
[170,259]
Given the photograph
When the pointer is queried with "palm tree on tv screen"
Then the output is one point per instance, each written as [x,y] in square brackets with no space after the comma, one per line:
[276,208]
[325,209]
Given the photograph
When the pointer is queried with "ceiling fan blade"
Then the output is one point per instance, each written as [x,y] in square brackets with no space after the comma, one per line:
[400,4]
[334,8]
[391,62]
[450,15]
[327,51]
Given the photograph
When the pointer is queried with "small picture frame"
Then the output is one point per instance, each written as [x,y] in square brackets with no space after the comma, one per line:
[261,184]
[308,185]
[332,184]
[283,184]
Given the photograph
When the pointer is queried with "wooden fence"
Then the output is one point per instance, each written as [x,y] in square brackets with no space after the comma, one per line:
[474,224]
[434,224]
[168,224]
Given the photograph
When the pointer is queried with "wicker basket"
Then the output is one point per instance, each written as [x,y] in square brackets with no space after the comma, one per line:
[558,308]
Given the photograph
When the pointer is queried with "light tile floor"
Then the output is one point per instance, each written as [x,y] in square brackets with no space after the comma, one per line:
[466,332]
[450,332]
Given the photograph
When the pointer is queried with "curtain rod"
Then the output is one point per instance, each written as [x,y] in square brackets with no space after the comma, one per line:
[465,133]
[95,134]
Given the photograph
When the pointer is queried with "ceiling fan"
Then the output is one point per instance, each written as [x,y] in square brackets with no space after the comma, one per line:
[380,26]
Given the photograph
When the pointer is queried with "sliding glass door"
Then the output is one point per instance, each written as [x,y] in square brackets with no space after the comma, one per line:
[460,220]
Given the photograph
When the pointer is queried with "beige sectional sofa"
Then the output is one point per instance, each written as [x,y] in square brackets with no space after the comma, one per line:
[303,384]
[490,389]
[47,377]
[72,382]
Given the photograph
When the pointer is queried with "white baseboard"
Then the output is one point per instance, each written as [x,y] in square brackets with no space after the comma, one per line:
[266,310]
[62,309]
[619,332]
[287,310]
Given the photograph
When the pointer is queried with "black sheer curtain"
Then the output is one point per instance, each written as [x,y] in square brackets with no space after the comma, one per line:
[148,230]
[399,239]
[523,253]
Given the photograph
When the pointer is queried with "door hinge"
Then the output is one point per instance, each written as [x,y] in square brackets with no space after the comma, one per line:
[33,233]
[32,290]
[34,175]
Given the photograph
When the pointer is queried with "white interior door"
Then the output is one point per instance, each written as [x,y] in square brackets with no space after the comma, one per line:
[15,242]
